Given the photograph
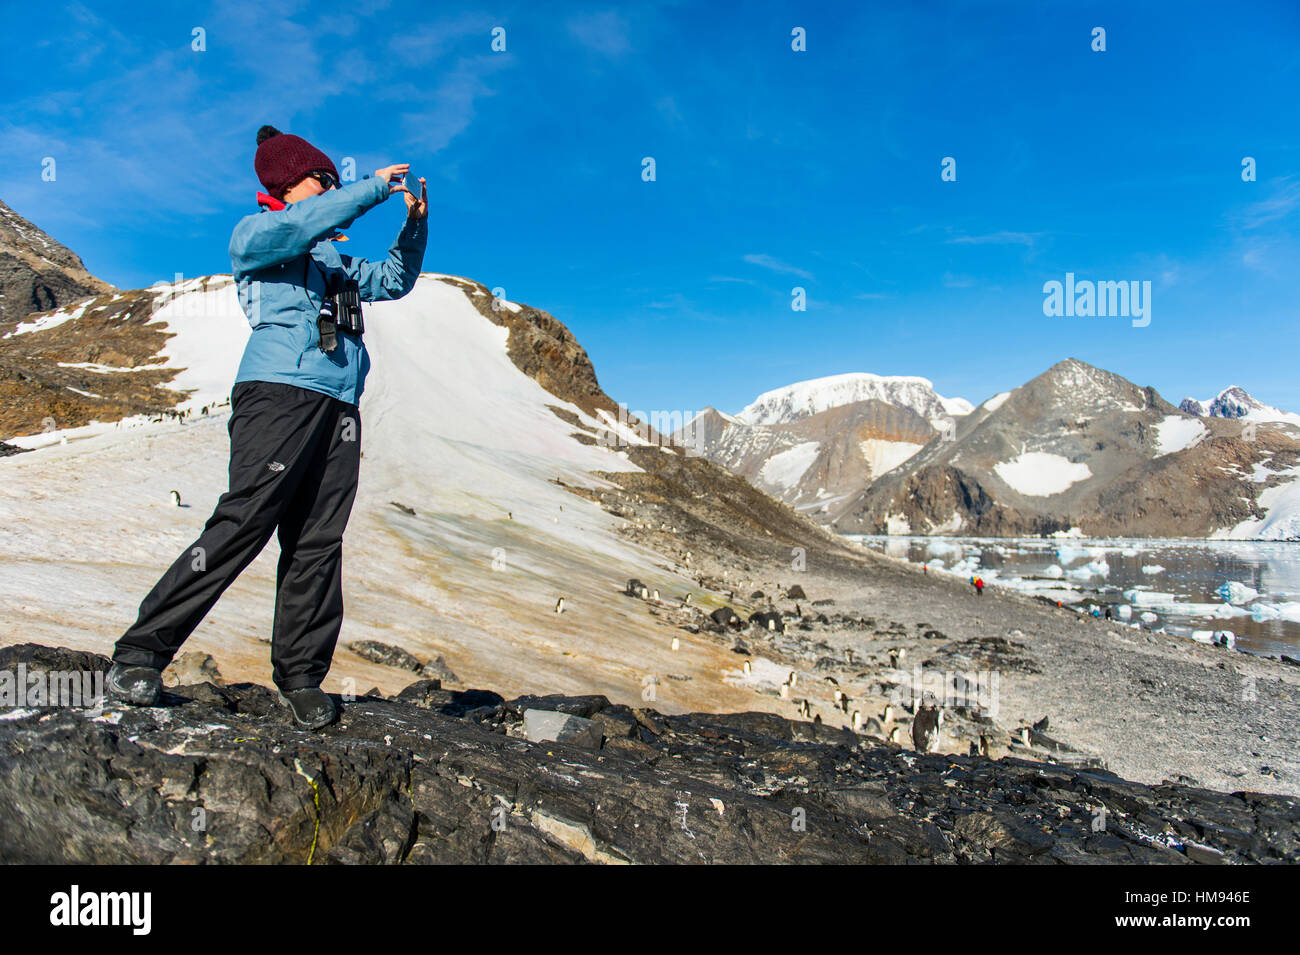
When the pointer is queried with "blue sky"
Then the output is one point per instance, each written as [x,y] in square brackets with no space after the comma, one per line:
[774,169]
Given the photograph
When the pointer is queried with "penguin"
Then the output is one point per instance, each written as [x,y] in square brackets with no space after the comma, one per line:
[656,593]
[746,668]
[817,719]
[888,715]
[831,680]
[176,498]
[925,728]
[676,644]
[857,721]
[974,749]
[686,600]
[838,697]
[984,745]
[1024,736]
[894,656]
[785,691]
[893,735]
[794,678]
[559,605]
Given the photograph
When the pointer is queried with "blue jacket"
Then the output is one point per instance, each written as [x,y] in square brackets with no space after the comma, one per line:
[282,262]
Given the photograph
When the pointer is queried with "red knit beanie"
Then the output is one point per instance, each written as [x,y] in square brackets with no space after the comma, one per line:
[283,160]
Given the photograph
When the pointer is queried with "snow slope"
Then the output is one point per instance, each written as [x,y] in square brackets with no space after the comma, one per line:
[1281,505]
[452,430]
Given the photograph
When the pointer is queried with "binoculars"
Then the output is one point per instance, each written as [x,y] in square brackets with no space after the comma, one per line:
[340,312]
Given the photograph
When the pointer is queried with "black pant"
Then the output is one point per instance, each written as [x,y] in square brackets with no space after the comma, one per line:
[294,459]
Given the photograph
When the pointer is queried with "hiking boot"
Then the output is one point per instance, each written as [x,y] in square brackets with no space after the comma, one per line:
[311,708]
[135,685]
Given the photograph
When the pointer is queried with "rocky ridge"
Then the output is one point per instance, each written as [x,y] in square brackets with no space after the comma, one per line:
[216,775]
[38,274]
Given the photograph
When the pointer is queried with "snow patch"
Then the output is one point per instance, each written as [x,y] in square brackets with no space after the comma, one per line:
[883,456]
[784,470]
[996,402]
[1178,433]
[1040,474]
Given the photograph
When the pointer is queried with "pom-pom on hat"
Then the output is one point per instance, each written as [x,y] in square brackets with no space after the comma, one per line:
[284,160]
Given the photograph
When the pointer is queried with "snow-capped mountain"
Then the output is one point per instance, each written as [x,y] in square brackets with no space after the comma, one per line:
[806,398]
[813,461]
[1076,447]
[1082,447]
[1235,402]
[816,443]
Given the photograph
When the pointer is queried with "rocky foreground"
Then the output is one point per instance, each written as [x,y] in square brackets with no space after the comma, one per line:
[437,776]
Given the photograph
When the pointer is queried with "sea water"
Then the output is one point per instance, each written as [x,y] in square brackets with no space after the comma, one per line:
[1179,584]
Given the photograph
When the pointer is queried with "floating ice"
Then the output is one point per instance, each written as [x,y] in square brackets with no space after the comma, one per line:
[1235,592]
[1280,611]
[1096,567]
[1067,554]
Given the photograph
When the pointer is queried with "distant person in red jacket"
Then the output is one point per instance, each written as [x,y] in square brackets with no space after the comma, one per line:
[978,582]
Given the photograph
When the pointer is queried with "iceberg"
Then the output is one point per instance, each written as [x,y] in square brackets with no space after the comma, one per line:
[1235,592]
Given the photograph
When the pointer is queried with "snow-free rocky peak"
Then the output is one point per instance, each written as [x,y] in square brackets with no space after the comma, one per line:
[36,272]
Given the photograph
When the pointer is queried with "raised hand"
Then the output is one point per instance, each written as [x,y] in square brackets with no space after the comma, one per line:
[417,208]
[389,173]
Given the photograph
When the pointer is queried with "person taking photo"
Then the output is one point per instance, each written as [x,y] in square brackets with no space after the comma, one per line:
[295,428]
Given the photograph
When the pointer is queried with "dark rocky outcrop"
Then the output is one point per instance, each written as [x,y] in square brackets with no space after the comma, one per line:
[217,775]
[38,274]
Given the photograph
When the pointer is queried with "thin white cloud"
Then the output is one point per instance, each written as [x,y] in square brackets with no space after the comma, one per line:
[1284,199]
[997,238]
[776,265]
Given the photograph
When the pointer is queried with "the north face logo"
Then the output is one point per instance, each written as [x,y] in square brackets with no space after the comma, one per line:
[275,466]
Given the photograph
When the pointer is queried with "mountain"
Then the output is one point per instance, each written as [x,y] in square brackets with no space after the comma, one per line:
[806,398]
[37,273]
[1079,447]
[817,443]
[814,461]
[1236,402]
